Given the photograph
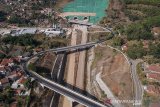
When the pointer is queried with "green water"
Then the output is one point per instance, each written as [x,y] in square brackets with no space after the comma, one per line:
[92,6]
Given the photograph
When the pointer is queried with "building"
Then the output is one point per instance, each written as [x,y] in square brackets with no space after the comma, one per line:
[156,31]
[153,76]
[14,75]
[14,104]
[154,104]
[6,62]
[153,90]
[23,31]
[19,84]
[2,71]
[53,32]
[4,82]
[124,47]
[154,68]
[4,32]
[145,44]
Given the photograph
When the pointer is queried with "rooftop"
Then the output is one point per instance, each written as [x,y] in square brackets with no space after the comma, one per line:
[6,62]
[153,89]
[156,30]
[154,76]
[155,68]
[4,80]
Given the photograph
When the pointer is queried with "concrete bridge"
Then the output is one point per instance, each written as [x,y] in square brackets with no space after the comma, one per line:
[76,14]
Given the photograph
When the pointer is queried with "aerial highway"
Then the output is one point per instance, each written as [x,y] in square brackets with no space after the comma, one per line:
[76,96]
[57,75]
[82,99]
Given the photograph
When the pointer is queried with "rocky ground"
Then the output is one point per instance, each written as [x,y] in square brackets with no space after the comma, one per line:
[115,72]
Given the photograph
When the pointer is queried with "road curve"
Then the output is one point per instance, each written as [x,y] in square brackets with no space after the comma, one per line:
[84,100]
[137,85]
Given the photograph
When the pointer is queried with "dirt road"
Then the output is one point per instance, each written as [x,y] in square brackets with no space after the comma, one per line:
[71,68]
[80,78]
[81,64]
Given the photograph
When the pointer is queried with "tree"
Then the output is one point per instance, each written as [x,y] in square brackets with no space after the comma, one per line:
[2,16]
[2,56]
[138,32]
[23,40]
[27,83]
[117,41]
[136,51]
[155,50]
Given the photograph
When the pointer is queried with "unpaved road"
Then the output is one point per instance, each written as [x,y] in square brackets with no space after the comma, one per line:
[71,68]
[81,64]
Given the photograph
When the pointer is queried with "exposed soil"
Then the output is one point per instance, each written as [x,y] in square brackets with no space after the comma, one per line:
[47,61]
[38,95]
[116,72]
[116,14]
[61,3]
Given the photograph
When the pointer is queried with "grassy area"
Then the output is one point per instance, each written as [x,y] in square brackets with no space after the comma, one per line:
[140,71]
[32,67]
[147,2]
[98,56]
[143,16]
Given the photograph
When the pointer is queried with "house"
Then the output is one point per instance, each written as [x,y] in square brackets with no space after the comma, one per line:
[53,32]
[19,84]
[153,90]
[22,31]
[26,54]
[124,47]
[154,104]
[145,44]
[154,68]
[14,75]
[153,76]
[16,59]
[4,82]
[46,11]
[2,70]
[14,104]
[22,80]
[22,92]
[6,62]
[38,49]
[156,31]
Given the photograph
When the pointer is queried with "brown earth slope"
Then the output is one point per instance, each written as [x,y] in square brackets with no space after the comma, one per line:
[115,73]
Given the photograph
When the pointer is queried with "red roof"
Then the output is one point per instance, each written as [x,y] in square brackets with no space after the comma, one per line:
[4,80]
[13,73]
[38,49]
[2,52]
[155,104]
[22,80]
[156,30]
[155,68]
[152,89]
[14,104]
[154,76]
[16,59]
[5,62]
[125,47]
[2,69]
